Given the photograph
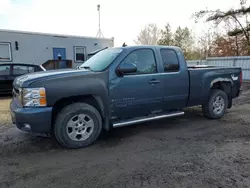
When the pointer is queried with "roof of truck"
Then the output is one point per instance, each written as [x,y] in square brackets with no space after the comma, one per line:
[149,46]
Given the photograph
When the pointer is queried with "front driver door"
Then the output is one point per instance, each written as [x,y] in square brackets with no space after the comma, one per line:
[136,94]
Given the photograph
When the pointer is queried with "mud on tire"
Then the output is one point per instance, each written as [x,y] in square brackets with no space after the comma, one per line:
[77,125]
[216,105]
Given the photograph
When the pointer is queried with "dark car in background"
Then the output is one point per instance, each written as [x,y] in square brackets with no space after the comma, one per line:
[9,71]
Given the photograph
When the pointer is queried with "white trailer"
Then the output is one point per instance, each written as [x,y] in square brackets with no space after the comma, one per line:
[38,48]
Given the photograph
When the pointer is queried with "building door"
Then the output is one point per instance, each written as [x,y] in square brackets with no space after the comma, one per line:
[59,52]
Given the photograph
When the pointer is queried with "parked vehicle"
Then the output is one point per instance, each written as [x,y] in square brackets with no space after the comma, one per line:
[9,71]
[118,87]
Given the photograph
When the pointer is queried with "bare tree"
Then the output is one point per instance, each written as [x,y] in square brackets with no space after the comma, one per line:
[149,35]
[205,43]
[228,17]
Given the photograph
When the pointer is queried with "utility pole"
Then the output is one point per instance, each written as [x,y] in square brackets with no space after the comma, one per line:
[99,33]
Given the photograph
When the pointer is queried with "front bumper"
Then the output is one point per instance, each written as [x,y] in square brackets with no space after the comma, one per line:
[36,120]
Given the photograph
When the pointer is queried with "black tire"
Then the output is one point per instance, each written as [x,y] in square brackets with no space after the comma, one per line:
[207,108]
[65,115]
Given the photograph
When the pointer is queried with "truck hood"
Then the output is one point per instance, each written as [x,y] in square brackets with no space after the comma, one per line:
[27,79]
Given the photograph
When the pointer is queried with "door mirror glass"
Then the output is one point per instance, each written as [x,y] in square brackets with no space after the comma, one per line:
[125,68]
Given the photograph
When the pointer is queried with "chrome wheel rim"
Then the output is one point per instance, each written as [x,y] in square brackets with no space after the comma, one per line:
[80,127]
[218,105]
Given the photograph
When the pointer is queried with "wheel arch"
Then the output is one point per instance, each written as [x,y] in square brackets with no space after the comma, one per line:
[93,100]
[224,85]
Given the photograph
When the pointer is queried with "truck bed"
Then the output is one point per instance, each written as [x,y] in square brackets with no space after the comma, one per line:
[202,78]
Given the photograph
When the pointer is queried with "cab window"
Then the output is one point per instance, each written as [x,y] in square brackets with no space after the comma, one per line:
[144,59]
[170,60]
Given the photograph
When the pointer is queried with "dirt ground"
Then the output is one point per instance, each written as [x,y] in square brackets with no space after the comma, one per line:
[4,111]
[188,151]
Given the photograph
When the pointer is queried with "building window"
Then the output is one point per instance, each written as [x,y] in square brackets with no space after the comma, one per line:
[80,53]
[5,51]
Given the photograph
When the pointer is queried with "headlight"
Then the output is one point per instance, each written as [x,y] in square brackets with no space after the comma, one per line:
[34,97]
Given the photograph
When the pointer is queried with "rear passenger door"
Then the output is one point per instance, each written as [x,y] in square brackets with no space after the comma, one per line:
[5,81]
[175,80]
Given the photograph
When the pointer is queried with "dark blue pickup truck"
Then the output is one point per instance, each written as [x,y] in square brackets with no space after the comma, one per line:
[118,87]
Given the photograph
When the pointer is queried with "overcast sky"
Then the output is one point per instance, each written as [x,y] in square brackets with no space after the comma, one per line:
[121,19]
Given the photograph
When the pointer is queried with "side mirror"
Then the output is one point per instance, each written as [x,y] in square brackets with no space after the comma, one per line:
[127,68]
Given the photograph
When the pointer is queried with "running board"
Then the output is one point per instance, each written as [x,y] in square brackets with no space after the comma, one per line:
[135,121]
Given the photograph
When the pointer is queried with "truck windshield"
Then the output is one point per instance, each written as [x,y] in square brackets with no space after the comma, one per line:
[101,60]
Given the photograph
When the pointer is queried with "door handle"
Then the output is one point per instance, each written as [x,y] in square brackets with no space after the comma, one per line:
[154,81]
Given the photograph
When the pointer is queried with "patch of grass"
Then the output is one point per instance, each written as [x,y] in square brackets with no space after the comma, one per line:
[5,117]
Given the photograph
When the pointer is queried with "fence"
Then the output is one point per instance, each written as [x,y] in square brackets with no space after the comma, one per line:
[234,61]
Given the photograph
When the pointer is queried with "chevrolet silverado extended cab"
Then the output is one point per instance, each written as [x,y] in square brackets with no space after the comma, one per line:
[118,87]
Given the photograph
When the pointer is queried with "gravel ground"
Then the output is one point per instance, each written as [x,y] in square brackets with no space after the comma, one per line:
[188,151]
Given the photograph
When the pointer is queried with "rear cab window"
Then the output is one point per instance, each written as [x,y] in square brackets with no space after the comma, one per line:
[170,60]
[4,70]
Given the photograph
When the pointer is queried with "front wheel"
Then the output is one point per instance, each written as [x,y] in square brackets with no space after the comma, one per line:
[216,105]
[77,125]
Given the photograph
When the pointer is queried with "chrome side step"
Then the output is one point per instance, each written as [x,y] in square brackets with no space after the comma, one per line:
[135,121]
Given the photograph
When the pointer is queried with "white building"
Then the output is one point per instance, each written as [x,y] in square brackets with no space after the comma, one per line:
[38,48]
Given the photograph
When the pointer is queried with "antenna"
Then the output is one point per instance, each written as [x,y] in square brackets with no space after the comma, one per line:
[99,33]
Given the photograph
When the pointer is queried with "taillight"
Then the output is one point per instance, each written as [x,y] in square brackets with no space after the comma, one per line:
[240,78]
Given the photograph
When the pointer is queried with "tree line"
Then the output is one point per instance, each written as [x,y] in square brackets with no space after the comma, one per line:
[231,39]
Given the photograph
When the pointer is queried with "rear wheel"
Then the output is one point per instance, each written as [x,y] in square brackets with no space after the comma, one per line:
[77,125]
[216,105]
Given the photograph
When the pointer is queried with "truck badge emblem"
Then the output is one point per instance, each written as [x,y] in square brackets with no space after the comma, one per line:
[234,77]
